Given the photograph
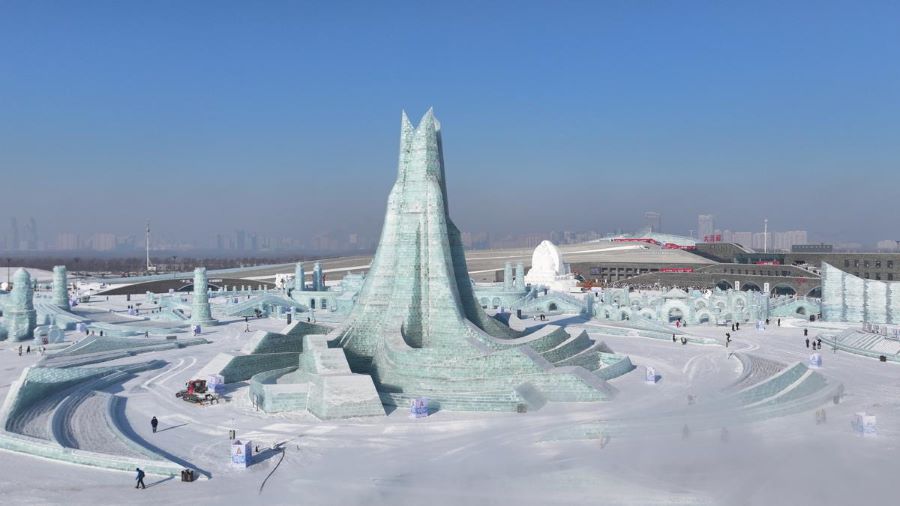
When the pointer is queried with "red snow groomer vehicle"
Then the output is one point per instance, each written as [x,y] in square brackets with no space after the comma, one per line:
[197,393]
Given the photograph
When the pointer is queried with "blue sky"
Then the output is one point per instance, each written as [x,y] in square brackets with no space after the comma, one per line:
[284,116]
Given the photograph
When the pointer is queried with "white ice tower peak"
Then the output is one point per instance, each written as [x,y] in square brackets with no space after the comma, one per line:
[549,270]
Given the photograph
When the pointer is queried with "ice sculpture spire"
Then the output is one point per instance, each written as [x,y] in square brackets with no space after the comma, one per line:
[420,241]
[417,327]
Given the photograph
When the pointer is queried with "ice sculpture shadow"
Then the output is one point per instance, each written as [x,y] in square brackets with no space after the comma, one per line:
[129,432]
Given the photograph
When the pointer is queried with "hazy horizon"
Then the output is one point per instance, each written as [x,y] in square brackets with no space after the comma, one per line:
[284,120]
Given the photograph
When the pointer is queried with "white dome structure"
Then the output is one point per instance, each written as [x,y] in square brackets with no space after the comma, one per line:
[549,270]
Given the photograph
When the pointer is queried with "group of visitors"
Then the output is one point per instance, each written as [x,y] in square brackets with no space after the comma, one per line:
[41,349]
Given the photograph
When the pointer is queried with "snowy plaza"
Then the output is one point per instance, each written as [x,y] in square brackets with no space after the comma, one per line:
[410,383]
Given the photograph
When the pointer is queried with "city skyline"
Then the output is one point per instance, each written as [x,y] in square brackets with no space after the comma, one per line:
[241,241]
[750,128]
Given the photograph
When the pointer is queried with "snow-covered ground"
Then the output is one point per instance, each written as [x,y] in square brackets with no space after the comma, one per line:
[495,458]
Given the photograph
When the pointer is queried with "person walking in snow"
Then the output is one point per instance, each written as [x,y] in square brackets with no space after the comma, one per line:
[140,478]
[154,423]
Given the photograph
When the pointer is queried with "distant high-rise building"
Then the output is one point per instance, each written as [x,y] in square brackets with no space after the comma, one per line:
[103,241]
[785,241]
[888,245]
[478,240]
[31,235]
[653,221]
[743,238]
[67,241]
[220,242]
[240,240]
[762,241]
[13,234]
[706,228]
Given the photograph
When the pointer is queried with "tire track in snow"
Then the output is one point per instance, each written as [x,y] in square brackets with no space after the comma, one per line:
[146,385]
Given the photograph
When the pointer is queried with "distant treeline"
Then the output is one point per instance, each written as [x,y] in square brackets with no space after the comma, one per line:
[119,264]
[136,266]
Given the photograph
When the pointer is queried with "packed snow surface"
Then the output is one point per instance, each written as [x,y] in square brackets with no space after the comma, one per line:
[660,448]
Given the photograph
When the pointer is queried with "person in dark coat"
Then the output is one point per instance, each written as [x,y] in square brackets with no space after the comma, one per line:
[807,342]
[140,478]
[154,423]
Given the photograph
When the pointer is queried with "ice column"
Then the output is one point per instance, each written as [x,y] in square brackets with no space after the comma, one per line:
[299,277]
[60,287]
[20,316]
[200,313]
[507,277]
[832,293]
[854,299]
[520,276]
[318,281]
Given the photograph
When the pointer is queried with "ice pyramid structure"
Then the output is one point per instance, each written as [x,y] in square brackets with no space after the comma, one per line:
[417,327]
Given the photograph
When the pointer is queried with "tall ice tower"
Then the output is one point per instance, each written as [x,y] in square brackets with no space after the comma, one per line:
[417,327]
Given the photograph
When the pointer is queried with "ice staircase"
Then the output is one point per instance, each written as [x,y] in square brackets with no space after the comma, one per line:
[96,349]
[760,396]
[248,307]
[60,317]
[754,370]
[635,329]
[868,344]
